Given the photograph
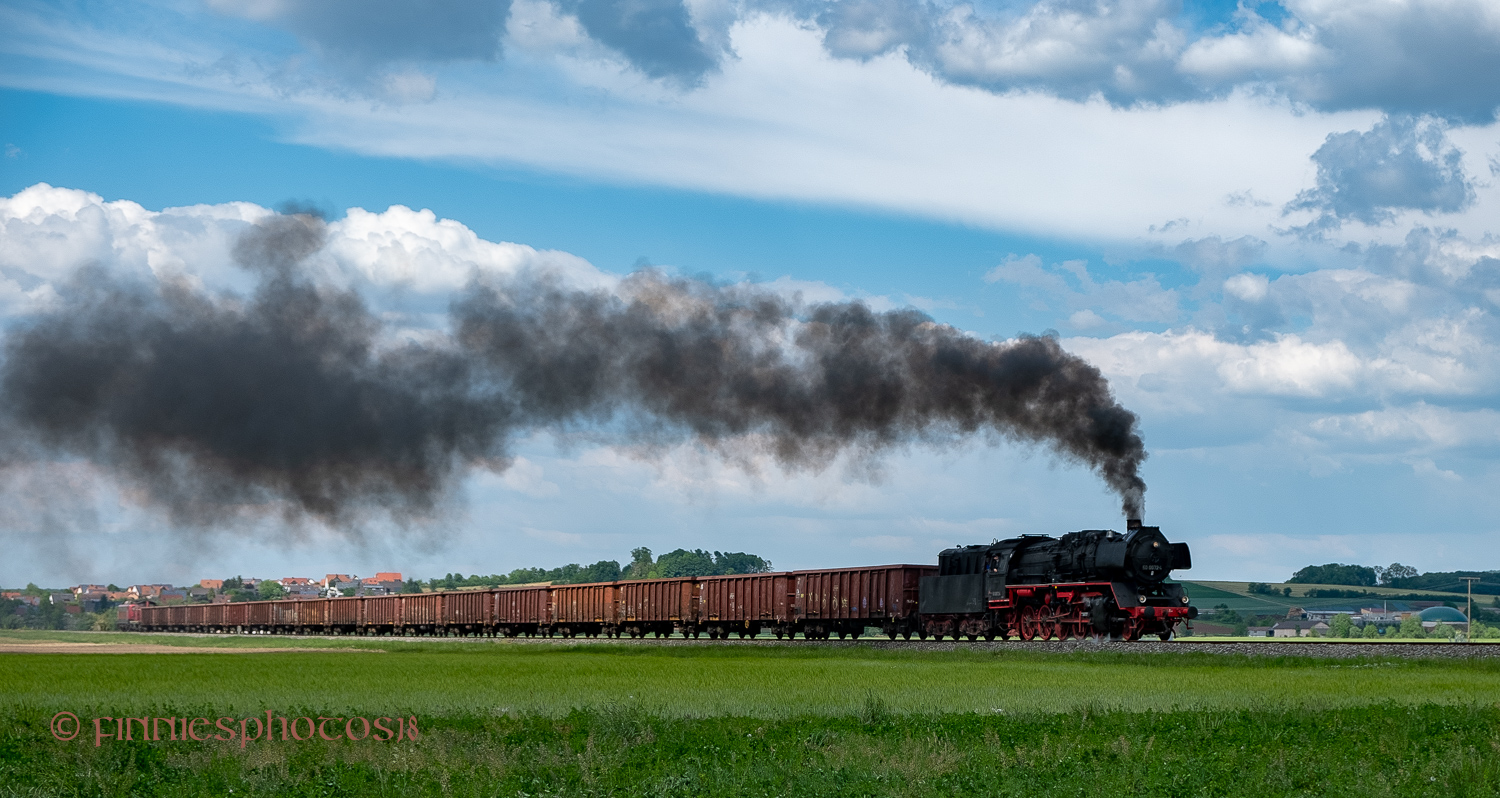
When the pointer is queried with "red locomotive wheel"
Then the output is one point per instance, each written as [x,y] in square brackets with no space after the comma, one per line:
[1028,625]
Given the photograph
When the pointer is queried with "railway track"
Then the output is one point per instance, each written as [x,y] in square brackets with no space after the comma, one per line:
[1415,649]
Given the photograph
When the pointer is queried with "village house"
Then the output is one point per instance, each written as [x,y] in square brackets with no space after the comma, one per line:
[298,587]
[211,584]
[1299,627]
[380,584]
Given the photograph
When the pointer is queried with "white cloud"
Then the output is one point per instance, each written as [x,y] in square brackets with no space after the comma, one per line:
[1248,287]
[417,250]
[1423,426]
[1197,363]
[1258,49]
[47,233]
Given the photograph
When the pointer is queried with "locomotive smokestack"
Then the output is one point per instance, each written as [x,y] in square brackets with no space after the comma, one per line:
[1132,524]
[293,398]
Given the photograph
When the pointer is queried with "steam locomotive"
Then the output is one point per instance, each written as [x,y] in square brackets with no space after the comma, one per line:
[1094,583]
[1091,583]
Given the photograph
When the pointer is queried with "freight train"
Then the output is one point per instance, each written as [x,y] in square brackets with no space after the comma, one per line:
[1094,583]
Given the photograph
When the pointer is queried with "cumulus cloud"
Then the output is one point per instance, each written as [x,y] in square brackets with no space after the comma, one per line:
[1400,164]
[1411,56]
[1125,51]
[47,232]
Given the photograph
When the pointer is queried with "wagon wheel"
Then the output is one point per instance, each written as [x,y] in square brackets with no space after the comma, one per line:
[906,635]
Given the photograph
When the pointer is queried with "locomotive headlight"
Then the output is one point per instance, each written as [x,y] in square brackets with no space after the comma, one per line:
[1184,599]
[1142,598]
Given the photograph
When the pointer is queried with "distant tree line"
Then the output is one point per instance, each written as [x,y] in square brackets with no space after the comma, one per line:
[679,562]
[1396,575]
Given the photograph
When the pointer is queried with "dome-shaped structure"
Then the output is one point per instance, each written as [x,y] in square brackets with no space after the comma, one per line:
[1442,615]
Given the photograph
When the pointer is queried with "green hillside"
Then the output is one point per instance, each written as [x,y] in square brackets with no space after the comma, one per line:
[1237,595]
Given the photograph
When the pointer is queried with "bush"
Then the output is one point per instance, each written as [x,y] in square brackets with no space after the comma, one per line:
[1483,631]
[1411,628]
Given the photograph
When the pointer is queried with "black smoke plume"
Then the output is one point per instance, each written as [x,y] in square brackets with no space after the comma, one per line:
[212,407]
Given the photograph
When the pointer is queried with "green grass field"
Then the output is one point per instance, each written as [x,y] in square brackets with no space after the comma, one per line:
[724,720]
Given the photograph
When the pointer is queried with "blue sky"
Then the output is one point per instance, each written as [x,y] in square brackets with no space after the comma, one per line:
[1270,226]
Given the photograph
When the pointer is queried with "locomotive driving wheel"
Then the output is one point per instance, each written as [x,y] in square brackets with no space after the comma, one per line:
[1030,625]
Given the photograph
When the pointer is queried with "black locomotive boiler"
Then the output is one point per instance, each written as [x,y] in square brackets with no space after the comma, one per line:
[1094,583]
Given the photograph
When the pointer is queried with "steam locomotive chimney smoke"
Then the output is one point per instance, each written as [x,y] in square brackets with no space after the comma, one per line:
[206,406]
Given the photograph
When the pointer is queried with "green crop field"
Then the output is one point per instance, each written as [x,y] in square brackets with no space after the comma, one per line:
[620,719]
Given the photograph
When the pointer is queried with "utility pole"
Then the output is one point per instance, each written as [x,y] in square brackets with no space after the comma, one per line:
[1469,632]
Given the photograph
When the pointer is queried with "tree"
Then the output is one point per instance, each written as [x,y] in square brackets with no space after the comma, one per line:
[411,586]
[738,562]
[1396,571]
[1445,631]
[1341,626]
[1335,574]
[681,562]
[1371,631]
[113,588]
[1411,628]
[270,589]
[640,564]
[602,571]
